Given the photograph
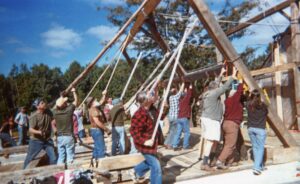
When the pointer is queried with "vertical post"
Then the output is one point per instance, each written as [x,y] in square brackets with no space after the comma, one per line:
[278,78]
[295,48]
[226,48]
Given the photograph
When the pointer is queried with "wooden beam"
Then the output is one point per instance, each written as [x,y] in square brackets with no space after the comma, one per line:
[202,73]
[226,48]
[295,47]
[161,42]
[110,43]
[278,82]
[21,175]
[140,19]
[285,155]
[15,149]
[284,67]
[260,16]
[137,74]
[150,22]
[124,162]
[283,13]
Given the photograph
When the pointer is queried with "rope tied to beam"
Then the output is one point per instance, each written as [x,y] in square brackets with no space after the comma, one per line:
[131,74]
[115,67]
[188,31]
[132,99]
[101,76]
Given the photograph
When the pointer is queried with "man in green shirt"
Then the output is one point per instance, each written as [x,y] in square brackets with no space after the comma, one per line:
[117,114]
[63,116]
[40,130]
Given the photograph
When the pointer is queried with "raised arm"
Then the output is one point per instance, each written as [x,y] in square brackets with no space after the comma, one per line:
[103,98]
[75,103]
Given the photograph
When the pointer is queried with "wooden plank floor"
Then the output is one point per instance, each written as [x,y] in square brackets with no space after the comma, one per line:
[176,165]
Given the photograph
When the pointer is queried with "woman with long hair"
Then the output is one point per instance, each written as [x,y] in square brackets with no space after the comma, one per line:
[257,116]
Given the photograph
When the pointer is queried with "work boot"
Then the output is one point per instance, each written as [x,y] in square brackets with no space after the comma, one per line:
[213,162]
[221,165]
[206,167]
[256,172]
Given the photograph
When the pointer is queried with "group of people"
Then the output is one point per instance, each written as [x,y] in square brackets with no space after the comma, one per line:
[215,122]
[218,119]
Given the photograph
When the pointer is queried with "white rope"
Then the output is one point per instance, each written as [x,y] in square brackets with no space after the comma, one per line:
[132,72]
[187,32]
[101,76]
[147,81]
[119,58]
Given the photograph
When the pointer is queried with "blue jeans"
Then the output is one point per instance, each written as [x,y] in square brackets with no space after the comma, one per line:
[81,134]
[99,144]
[258,138]
[183,125]
[7,138]
[66,149]
[118,139]
[35,146]
[171,135]
[132,146]
[151,162]
[20,134]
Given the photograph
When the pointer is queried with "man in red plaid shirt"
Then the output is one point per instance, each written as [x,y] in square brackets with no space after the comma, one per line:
[142,127]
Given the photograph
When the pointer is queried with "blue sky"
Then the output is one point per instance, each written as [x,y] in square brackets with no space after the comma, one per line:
[51,31]
[57,32]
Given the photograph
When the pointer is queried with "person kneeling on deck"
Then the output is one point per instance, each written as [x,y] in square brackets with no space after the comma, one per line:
[97,119]
[117,115]
[40,130]
[211,117]
[63,116]
[142,127]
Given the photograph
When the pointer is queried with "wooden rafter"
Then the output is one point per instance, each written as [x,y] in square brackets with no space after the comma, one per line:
[260,16]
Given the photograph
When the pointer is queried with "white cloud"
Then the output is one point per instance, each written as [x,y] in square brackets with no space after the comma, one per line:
[59,37]
[26,50]
[58,54]
[116,2]
[13,40]
[102,32]
[93,3]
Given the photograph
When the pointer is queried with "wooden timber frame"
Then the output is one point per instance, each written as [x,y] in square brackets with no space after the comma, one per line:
[226,48]
[145,15]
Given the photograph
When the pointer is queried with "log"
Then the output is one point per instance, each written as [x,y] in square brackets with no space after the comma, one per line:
[123,162]
[226,48]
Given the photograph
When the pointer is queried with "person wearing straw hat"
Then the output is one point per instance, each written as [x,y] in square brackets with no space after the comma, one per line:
[97,119]
[63,116]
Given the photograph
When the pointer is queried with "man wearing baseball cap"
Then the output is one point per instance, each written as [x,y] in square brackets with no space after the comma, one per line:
[97,119]
[63,116]
[40,130]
